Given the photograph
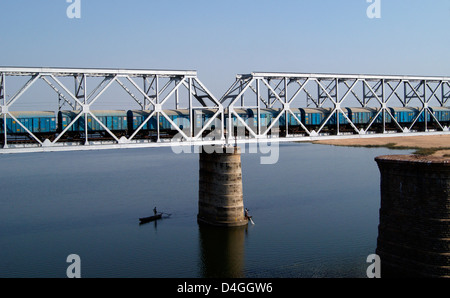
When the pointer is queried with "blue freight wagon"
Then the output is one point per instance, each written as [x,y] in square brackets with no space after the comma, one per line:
[408,114]
[281,118]
[179,117]
[243,113]
[313,116]
[266,115]
[292,120]
[35,122]
[342,119]
[137,117]
[442,114]
[113,120]
[362,115]
[316,116]
[366,115]
[202,117]
[64,120]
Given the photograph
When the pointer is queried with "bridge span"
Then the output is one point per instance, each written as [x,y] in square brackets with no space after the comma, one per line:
[93,109]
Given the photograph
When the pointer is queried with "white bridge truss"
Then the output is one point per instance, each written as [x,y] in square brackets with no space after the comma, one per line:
[155,91]
[160,91]
[289,91]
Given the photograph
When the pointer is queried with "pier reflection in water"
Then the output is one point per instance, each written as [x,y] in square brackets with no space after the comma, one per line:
[222,251]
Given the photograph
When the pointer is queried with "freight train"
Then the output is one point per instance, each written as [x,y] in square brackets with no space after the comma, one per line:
[47,125]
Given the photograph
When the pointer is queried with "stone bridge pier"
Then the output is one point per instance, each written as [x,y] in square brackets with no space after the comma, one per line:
[221,201]
[414,228]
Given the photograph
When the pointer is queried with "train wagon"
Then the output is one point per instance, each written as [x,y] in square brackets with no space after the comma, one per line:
[35,122]
[316,116]
[113,120]
[179,117]
[243,113]
[291,119]
[267,115]
[137,117]
[312,117]
[403,114]
[342,119]
[442,114]
[64,120]
[366,115]
[363,115]
[250,117]
[202,116]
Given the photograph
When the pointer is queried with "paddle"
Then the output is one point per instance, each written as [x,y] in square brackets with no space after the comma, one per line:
[252,221]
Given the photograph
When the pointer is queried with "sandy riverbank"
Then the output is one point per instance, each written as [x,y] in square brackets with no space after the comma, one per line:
[436,145]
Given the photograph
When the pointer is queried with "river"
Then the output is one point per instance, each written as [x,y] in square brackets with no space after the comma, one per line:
[315,212]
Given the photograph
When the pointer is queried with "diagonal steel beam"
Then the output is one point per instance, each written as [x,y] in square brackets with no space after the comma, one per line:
[60,94]
[27,85]
[24,127]
[91,98]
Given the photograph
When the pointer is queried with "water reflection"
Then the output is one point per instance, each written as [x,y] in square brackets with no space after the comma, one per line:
[154,223]
[222,251]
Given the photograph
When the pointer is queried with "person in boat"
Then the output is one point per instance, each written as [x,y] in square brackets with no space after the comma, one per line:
[154,211]
[247,216]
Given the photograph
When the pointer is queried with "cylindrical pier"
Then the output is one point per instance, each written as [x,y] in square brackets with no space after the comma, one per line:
[414,229]
[221,201]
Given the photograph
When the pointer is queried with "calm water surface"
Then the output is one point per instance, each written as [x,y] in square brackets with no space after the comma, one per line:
[315,214]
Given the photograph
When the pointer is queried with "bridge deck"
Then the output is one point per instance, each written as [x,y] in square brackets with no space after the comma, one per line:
[109,145]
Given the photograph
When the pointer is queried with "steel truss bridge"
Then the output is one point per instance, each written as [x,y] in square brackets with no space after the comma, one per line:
[160,91]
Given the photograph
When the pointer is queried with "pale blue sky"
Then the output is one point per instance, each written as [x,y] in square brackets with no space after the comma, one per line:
[222,38]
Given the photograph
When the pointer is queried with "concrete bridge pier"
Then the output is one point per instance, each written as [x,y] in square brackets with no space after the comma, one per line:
[221,201]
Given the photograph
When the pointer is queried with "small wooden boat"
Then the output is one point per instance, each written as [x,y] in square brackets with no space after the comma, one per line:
[150,218]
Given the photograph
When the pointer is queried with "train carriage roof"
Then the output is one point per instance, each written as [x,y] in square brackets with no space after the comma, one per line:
[444,109]
[316,110]
[35,114]
[363,110]
[179,112]
[404,109]
[99,113]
